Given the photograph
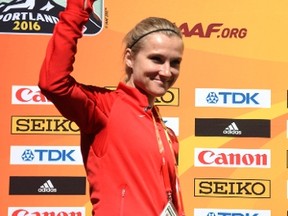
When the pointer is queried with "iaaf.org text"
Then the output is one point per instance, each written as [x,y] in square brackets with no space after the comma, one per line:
[222,32]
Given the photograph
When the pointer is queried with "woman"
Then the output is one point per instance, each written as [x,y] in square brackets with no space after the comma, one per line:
[128,153]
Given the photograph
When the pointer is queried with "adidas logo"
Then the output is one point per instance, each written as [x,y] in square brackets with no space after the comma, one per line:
[47,187]
[232,129]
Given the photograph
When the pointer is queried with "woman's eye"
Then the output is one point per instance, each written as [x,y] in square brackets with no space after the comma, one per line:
[157,59]
[175,63]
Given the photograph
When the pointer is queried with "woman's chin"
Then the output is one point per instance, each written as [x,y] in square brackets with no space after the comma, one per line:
[159,93]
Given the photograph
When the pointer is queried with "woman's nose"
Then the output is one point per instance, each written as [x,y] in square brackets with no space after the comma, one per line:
[166,70]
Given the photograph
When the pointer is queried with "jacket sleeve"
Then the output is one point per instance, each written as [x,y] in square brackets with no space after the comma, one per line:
[75,101]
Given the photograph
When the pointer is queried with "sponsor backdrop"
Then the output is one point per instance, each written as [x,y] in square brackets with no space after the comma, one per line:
[228,108]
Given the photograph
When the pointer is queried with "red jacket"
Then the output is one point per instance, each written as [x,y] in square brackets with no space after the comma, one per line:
[118,140]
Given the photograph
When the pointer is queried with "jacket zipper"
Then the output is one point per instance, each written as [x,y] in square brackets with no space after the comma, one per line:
[123,193]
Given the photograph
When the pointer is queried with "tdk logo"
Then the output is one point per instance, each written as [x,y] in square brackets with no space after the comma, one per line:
[212,98]
[173,123]
[207,97]
[46,155]
[50,155]
[28,155]
[230,212]
[234,97]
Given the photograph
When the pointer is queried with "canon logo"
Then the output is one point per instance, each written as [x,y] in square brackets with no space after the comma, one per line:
[28,95]
[22,212]
[46,211]
[232,157]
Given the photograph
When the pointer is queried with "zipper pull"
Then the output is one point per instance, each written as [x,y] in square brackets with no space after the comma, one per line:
[123,192]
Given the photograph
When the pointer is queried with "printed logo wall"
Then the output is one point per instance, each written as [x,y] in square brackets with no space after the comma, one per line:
[229,106]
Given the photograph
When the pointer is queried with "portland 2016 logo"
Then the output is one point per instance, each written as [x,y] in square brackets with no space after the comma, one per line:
[40,16]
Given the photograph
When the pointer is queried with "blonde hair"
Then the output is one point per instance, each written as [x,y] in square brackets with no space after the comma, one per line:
[147,26]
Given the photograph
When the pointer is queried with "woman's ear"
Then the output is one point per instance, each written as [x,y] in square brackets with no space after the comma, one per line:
[128,58]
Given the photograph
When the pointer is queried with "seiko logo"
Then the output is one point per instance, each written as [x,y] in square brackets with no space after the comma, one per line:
[28,95]
[171,98]
[46,211]
[232,187]
[206,97]
[43,125]
[287,189]
[45,155]
[230,212]
[287,129]
[229,157]
[287,162]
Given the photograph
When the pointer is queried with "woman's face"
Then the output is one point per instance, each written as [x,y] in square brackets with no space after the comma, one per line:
[155,68]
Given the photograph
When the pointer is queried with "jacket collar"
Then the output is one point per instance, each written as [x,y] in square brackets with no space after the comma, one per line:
[135,94]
